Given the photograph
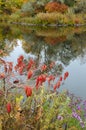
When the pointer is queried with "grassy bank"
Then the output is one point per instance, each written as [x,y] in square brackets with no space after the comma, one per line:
[47,19]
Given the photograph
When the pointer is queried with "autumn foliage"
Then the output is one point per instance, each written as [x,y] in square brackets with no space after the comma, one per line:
[56,7]
[28,91]
[8,107]
[39,74]
[38,103]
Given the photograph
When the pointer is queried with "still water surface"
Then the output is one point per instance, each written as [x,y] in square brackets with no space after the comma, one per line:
[66,46]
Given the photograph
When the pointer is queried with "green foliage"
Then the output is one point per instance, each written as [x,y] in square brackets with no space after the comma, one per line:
[58,18]
[10,6]
[69,2]
[14,17]
[80,6]
[29,8]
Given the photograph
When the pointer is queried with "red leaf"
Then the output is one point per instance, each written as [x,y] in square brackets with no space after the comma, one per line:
[43,68]
[29,66]
[28,91]
[30,73]
[50,78]
[8,107]
[60,78]
[57,85]
[66,74]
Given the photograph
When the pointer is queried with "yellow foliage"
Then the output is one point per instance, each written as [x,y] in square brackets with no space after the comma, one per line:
[73,128]
[18,101]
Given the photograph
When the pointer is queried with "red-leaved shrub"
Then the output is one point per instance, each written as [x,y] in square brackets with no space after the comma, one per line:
[56,7]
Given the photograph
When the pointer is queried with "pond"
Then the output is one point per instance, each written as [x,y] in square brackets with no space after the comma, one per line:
[66,46]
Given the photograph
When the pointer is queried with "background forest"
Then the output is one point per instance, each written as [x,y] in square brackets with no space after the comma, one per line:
[44,12]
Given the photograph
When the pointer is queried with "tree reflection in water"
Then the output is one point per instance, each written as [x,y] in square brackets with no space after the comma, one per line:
[60,44]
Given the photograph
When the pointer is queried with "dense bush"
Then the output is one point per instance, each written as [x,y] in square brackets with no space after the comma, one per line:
[14,17]
[56,7]
[28,8]
[58,18]
[33,7]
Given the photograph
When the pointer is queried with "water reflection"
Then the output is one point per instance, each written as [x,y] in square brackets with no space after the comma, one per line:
[65,45]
